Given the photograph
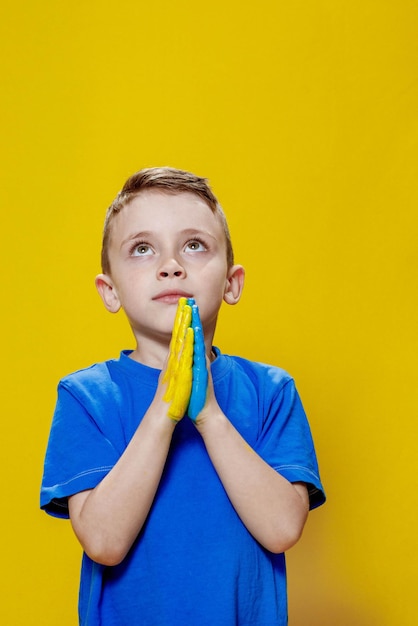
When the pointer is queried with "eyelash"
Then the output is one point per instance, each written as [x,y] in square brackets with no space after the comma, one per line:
[197,240]
[138,244]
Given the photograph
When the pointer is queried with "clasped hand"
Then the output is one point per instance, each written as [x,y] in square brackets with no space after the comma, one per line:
[186,374]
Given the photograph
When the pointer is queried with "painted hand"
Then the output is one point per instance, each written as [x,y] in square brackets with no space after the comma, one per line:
[200,373]
[186,374]
[178,374]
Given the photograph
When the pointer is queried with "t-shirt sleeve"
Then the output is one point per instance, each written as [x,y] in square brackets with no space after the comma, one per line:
[286,442]
[79,453]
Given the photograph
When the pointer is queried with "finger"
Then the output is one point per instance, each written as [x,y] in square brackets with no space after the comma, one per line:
[181,324]
[200,373]
[173,350]
[183,381]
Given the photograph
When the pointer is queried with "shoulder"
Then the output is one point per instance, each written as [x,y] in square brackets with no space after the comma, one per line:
[112,381]
[255,371]
[91,385]
[95,373]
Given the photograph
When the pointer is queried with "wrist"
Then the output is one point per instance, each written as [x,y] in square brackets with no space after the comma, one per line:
[157,418]
[211,422]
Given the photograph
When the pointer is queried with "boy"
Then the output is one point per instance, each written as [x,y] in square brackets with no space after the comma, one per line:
[183,522]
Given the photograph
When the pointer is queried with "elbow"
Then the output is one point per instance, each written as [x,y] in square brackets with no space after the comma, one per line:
[285,533]
[105,553]
[102,541]
[283,540]
[108,560]
[101,548]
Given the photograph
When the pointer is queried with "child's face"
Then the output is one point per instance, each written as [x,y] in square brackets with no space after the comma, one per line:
[162,247]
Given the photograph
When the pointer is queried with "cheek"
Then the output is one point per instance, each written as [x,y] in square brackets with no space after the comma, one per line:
[214,291]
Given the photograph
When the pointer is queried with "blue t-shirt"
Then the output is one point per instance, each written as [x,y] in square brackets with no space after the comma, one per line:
[194,562]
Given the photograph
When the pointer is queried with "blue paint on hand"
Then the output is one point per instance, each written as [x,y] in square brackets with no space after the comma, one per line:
[200,373]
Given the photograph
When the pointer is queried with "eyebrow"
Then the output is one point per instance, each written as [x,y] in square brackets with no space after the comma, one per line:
[190,232]
[144,234]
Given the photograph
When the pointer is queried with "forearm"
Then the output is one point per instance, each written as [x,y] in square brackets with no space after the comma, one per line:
[272,509]
[107,519]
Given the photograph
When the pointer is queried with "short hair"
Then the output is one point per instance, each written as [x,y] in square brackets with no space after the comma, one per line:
[168,180]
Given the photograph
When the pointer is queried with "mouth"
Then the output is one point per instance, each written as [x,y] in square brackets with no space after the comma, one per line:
[171,296]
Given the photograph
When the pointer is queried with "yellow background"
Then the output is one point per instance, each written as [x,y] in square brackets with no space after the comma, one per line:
[304,117]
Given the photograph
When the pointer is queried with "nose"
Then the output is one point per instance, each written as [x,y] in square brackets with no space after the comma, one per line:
[171,268]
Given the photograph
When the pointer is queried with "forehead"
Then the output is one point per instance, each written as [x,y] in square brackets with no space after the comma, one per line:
[157,210]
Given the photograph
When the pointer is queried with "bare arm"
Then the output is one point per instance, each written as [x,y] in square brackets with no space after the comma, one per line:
[108,518]
[273,509]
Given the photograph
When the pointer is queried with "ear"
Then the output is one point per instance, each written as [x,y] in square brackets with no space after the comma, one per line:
[107,292]
[234,284]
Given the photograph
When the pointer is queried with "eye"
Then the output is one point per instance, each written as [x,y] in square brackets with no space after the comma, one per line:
[196,245]
[140,249]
